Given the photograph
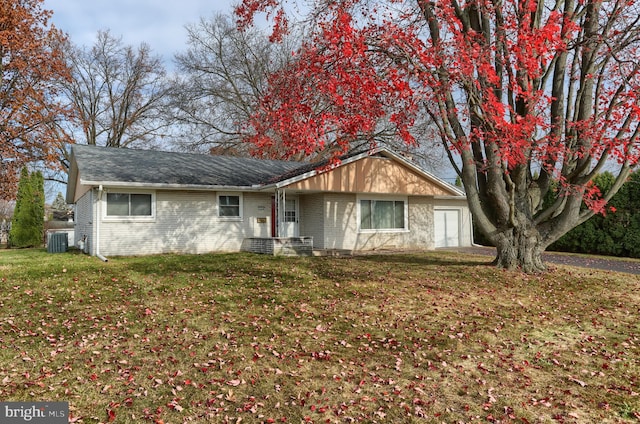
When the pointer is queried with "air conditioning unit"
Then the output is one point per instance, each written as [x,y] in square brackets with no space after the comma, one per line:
[58,243]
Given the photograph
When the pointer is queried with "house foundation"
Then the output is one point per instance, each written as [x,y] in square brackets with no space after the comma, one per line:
[279,246]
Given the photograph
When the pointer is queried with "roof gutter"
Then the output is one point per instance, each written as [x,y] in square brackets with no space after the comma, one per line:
[194,187]
[450,197]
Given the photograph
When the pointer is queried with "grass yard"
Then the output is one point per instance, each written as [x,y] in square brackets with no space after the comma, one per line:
[424,337]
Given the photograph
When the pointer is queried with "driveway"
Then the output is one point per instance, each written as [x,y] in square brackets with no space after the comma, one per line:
[630,266]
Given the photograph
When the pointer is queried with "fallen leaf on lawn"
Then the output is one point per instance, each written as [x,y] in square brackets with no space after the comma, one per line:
[575,380]
[492,398]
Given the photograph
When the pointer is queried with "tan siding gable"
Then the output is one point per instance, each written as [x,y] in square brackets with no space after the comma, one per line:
[372,175]
[81,189]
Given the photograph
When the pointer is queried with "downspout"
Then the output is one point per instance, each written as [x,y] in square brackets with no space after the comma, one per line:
[99,218]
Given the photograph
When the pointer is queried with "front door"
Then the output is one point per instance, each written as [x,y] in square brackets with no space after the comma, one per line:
[290,218]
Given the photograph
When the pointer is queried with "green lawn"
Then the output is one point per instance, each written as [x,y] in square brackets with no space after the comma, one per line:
[424,337]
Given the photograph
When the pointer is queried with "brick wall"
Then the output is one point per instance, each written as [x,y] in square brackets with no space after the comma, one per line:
[285,246]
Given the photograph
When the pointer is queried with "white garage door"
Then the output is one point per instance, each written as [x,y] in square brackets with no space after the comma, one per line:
[447,225]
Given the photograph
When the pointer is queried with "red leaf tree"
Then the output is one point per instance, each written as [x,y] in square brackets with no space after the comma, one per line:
[30,63]
[525,95]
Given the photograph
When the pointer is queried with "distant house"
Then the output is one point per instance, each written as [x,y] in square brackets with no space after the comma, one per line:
[135,202]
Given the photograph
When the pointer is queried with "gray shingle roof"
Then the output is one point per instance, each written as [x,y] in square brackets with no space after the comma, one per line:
[102,164]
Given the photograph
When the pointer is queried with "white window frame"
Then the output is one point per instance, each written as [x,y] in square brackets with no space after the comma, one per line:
[403,199]
[137,218]
[241,207]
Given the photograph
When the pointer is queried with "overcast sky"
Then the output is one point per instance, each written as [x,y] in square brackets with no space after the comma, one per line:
[159,23]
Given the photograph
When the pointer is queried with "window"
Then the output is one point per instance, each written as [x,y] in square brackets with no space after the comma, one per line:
[290,211]
[229,206]
[382,214]
[129,204]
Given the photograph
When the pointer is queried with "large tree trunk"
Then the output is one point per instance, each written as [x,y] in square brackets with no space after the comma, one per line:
[520,248]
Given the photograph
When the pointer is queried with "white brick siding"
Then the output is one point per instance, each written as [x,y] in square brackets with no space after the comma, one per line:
[312,218]
[84,219]
[186,222]
[338,228]
[340,221]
